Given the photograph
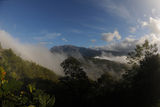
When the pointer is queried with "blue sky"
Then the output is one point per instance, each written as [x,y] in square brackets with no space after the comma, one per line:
[76,22]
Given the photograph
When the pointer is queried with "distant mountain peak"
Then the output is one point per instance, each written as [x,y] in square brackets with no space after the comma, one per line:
[72,50]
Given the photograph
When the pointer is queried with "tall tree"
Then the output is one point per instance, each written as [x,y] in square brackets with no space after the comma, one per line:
[73,68]
[142,79]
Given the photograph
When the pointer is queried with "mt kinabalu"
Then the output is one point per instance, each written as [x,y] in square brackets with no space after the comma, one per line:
[94,67]
[71,50]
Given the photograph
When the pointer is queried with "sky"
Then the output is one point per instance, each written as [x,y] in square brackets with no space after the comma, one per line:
[108,24]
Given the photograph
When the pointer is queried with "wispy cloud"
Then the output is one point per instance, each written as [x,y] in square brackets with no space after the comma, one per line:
[45,43]
[47,36]
[35,53]
[114,7]
[64,39]
[76,31]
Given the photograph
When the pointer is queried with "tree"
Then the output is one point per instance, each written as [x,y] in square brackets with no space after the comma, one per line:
[141,80]
[12,94]
[73,69]
[8,89]
[74,86]
[138,57]
[142,51]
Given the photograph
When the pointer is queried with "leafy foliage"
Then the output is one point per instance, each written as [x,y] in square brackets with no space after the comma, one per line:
[142,51]
[15,87]
[12,95]
[18,68]
[73,69]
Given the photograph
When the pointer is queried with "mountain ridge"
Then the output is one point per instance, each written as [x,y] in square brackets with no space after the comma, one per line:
[71,50]
[94,67]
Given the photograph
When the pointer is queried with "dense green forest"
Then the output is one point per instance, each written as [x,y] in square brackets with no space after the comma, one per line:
[26,84]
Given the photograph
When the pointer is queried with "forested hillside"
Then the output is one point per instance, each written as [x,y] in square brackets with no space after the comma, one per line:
[94,67]
[19,82]
[20,69]
[25,84]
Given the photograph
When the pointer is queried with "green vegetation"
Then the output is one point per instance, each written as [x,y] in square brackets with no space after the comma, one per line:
[106,65]
[138,87]
[25,84]
[12,94]
[20,69]
[16,82]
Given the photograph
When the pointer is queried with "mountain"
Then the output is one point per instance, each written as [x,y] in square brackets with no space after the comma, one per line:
[20,69]
[71,50]
[94,67]
[75,51]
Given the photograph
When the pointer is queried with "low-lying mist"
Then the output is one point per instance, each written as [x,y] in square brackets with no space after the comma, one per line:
[109,56]
[35,53]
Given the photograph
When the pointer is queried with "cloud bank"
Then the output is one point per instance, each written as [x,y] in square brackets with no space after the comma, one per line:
[35,53]
[109,56]
[129,43]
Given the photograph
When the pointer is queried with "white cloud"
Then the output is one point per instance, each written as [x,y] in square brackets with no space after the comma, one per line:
[35,53]
[144,23]
[64,39]
[154,25]
[124,46]
[52,35]
[129,43]
[109,56]
[108,37]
